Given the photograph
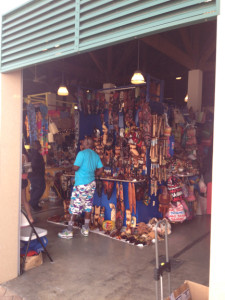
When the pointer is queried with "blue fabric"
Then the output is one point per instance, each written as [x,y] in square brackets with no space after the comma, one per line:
[35,245]
[172,141]
[87,123]
[32,122]
[121,121]
[88,161]
[137,117]
[143,213]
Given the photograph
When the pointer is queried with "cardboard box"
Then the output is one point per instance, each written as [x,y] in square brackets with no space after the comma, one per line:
[190,290]
[32,261]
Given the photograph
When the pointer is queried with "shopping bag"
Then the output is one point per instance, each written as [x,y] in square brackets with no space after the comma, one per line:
[32,261]
[175,188]
[176,212]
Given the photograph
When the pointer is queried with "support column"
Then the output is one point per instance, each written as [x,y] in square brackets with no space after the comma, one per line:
[217,261]
[107,93]
[10,172]
[195,90]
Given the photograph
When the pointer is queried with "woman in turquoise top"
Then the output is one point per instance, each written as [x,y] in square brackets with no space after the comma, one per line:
[87,165]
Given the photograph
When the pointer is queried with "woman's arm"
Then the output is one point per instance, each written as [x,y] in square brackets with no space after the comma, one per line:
[98,172]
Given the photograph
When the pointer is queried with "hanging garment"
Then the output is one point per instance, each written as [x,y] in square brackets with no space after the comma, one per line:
[132,197]
[44,129]
[32,123]
[164,201]
[39,124]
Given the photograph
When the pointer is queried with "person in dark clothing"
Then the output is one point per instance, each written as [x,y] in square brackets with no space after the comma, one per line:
[37,176]
[24,185]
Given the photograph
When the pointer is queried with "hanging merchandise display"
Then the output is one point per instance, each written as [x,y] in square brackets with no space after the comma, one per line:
[123,142]
[150,158]
[32,125]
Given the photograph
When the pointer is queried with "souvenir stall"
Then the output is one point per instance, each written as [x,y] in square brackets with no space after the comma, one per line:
[132,137]
[190,168]
[150,155]
[51,122]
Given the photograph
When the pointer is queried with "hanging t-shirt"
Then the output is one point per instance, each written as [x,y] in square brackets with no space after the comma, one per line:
[88,161]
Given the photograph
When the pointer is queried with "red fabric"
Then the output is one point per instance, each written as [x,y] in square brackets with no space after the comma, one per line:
[24,176]
[54,113]
[30,253]
[209,198]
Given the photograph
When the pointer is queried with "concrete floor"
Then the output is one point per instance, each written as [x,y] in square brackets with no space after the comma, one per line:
[100,268]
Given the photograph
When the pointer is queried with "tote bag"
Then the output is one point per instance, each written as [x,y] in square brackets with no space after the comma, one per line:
[176,213]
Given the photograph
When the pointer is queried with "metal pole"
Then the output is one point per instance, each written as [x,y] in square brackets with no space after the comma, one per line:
[156,261]
[164,266]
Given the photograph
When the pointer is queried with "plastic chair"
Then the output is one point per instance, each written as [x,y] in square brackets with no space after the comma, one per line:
[29,232]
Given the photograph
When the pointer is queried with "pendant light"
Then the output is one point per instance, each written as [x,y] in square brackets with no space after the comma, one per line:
[186,98]
[138,77]
[62,90]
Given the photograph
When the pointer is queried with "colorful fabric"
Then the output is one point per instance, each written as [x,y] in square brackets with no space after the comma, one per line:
[32,122]
[82,198]
[87,161]
[175,188]
[44,129]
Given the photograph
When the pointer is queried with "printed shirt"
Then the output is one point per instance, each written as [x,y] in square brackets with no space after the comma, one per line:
[88,161]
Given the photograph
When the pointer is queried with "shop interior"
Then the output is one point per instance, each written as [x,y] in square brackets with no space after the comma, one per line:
[153,146]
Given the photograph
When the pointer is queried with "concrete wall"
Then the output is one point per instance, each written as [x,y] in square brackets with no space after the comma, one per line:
[10,170]
[217,262]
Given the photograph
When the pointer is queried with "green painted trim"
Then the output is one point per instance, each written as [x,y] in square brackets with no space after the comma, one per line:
[122,20]
[149,26]
[84,25]
[140,31]
[122,8]
[42,28]
[218,6]
[30,61]
[77,26]
[24,14]
[37,17]
[90,4]
[38,39]
[29,52]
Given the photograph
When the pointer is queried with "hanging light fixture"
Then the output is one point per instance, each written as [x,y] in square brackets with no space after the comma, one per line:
[76,105]
[186,98]
[138,78]
[62,90]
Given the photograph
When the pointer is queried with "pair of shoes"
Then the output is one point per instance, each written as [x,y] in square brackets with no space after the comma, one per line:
[66,234]
[84,231]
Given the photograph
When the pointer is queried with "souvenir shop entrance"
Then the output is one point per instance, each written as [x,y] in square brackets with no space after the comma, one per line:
[158,132]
